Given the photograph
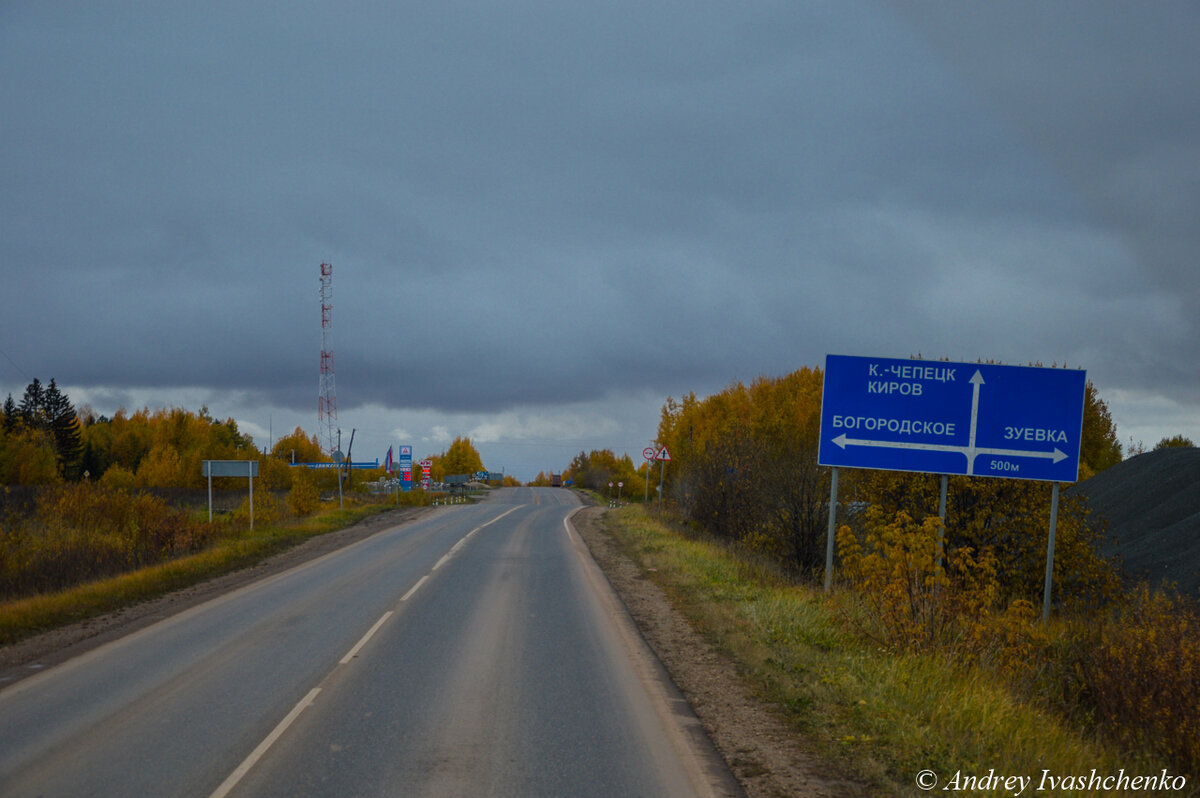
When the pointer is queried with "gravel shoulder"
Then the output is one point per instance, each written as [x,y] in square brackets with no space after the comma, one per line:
[768,758]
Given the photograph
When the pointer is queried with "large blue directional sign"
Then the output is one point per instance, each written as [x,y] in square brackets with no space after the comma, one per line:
[952,418]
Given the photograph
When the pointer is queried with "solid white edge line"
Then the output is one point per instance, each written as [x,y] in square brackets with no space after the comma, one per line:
[257,753]
[702,763]
[370,633]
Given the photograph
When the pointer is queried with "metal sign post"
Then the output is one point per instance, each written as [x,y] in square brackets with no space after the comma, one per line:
[663,456]
[832,526]
[230,468]
[1050,554]
[338,459]
[649,454]
[942,519]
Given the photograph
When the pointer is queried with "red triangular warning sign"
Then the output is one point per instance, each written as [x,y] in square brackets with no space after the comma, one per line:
[663,454]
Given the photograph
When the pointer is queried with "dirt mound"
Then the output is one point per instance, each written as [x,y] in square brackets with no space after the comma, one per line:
[1152,504]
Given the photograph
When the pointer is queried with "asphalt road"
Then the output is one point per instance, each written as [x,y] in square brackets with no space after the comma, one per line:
[477,651]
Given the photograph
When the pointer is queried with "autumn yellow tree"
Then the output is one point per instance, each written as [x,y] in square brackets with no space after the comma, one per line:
[27,458]
[1099,447]
[45,416]
[163,448]
[743,464]
[299,447]
[744,467]
[460,458]
[596,469]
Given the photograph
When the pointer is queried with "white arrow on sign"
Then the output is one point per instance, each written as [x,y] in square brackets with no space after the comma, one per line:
[976,382]
[969,451]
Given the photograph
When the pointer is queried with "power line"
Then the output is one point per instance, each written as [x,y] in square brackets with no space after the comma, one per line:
[20,370]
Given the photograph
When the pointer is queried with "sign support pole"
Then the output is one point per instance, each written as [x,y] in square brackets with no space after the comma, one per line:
[1050,554]
[942,523]
[832,526]
[662,470]
[229,468]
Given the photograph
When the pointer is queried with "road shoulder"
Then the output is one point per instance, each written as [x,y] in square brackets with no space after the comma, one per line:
[767,757]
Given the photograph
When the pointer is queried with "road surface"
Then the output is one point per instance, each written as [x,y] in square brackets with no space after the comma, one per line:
[476,651]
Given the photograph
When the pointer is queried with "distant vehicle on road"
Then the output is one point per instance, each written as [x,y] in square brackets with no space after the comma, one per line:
[556,480]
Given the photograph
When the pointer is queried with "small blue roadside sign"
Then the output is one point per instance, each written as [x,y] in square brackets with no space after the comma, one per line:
[406,461]
[936,417]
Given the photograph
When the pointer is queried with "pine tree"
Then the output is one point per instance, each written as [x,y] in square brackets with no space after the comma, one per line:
[32,409]
[10,414]
[64,428]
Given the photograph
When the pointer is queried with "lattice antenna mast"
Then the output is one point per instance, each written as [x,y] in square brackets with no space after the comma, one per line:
[327,390]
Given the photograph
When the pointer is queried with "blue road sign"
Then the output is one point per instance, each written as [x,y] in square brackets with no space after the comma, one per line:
[406,461]
[952,418]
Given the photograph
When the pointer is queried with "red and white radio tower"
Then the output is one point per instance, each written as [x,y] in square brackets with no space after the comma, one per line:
[327,391]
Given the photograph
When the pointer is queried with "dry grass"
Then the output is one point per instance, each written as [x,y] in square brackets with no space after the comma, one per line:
[883,712]
[89,550]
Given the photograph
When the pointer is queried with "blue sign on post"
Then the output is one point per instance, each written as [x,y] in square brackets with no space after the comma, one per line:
[406,467]
[952,418]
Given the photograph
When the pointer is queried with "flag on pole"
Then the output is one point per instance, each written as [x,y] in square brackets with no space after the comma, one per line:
[387,463]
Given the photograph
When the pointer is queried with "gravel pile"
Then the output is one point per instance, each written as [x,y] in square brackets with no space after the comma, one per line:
[1152,504]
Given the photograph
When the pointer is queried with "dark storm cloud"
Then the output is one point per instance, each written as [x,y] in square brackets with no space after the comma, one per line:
[531,204]
[1105,93]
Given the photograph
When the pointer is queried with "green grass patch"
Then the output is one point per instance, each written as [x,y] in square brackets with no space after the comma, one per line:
[879,714]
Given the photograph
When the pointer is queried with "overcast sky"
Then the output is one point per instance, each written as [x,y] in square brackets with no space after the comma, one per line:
[544,218]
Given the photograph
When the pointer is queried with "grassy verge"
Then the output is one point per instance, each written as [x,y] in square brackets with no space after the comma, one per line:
[25,617]
[882,715]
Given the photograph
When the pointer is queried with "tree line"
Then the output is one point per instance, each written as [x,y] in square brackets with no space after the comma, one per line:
[45,441]
[744,469]
[40,438]
[597,469]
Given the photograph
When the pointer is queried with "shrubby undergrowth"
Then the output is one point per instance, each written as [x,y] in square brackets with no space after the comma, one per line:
[1127,665]
[1129,669]
[82,532]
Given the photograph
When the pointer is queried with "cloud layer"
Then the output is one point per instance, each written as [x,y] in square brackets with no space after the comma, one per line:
[533,207]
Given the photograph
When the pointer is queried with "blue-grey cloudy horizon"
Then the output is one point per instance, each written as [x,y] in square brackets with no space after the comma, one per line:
[546,218]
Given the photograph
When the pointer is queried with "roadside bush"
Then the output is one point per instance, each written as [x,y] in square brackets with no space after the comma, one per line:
[83,532]
[118,477]
[267,510]
[1130,670]
[1144,676]
[915,598]
[304,498]
[896,571]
